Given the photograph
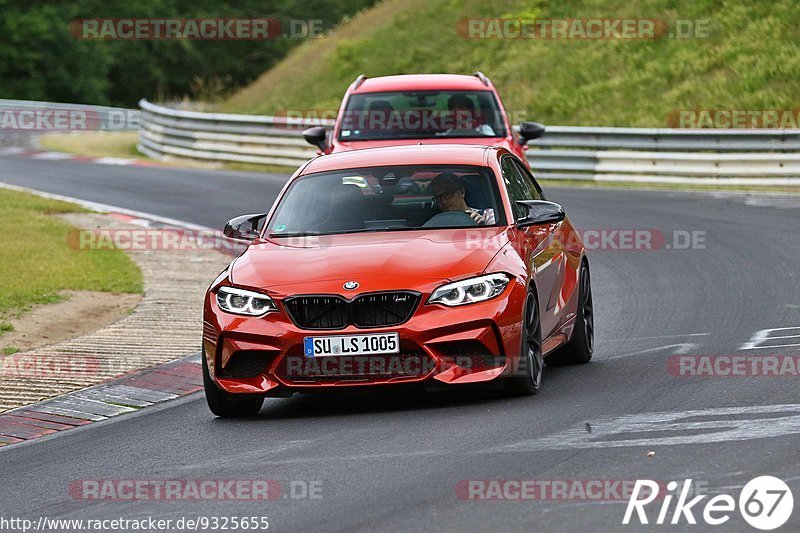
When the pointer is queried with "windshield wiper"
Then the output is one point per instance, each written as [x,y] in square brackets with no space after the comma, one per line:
[360,230]
[372,230]
[394,136]
[463,134]
[296,234]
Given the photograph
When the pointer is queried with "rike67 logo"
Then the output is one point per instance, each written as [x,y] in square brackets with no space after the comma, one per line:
[765,503]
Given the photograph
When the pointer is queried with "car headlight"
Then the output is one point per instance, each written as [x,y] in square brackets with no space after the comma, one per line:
[243,302]
[470,290]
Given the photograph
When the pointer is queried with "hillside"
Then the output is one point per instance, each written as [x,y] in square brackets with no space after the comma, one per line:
[750,59]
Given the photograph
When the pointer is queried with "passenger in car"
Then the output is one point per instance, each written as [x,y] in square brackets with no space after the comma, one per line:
[449,193]
[464,115]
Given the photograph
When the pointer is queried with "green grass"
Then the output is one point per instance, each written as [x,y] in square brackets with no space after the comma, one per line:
[94,144]
[10,350]
[751,60]
[37,261]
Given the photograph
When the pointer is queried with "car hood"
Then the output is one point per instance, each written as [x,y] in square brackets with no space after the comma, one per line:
[377,261]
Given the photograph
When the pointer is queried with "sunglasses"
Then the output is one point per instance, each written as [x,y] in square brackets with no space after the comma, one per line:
[445,196]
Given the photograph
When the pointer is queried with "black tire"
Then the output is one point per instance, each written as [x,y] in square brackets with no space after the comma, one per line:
[580,348]
[226,405]
[529,373]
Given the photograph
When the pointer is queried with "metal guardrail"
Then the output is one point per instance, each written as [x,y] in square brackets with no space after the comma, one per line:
[734,157]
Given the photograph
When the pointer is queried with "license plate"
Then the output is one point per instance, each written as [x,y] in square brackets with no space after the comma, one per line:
[380,343]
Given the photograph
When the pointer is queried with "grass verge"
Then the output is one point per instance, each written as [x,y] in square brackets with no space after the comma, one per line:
[94,144]
[38,263]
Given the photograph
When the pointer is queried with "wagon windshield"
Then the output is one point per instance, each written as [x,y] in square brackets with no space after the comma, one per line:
[421,115]
[395,198]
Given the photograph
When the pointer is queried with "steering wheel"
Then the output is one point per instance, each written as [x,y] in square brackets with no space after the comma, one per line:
[450,219]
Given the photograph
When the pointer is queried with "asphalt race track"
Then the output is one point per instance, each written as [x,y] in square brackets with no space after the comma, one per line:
[393,461]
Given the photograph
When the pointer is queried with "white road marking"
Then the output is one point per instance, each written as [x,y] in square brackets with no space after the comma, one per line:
[766,421]
[113,161]
[722,425]
[761,338]
[105,208]
[681,348]
[773,346]
[53,156]
[625,339]
[785,202]
[12,150]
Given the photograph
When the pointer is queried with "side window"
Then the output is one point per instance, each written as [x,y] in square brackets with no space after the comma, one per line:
[536,191]
[517,185]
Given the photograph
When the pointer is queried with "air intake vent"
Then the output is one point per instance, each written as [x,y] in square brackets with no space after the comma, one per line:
[247,363]
[470,354]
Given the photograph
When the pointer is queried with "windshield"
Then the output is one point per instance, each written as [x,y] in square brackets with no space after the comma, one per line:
[391,198]
[421,114]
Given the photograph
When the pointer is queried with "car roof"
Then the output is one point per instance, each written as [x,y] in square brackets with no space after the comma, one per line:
[421,82]
[415,154]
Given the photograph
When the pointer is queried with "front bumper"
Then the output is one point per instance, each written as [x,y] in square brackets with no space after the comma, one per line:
[467,344]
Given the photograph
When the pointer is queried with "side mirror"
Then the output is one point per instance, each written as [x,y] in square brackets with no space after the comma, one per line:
[245,227]
[316,136]
[530,130]
[540,212]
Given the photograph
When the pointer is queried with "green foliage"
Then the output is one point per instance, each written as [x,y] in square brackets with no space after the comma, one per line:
[750,60]
[40,59]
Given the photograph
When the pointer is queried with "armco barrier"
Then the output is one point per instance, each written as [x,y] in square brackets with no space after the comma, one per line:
[767,157]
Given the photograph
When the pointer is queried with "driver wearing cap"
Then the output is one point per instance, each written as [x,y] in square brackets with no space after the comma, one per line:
[449,193]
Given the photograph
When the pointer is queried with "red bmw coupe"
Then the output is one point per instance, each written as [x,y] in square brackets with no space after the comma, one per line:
[439,264]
